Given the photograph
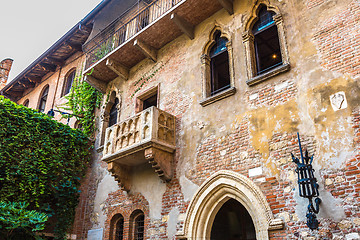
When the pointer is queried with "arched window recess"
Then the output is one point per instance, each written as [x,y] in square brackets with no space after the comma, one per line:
[265,44]
[217,68]
[43,99]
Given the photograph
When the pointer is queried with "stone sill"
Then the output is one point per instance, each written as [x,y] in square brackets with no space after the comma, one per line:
[269,74]
[224,94]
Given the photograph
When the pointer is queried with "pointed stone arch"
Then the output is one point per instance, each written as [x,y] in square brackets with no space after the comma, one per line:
[248,41]
[108,102]
[208,98]
[214,192]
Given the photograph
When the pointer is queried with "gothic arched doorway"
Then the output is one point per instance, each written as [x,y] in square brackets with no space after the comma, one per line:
[216,198]
[233,222]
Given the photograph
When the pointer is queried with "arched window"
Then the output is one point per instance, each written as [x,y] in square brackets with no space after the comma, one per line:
[69,79]
[217,68]
[117,227]
[220,75]
[113,114]
[265,44]
[43,98]
[137,227]
[26,103]
[233,222]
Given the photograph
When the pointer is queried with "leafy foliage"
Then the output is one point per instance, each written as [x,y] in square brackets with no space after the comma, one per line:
[41,162]
[16,220]
[83,99]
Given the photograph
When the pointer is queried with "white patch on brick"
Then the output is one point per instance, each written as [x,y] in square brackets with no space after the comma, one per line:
[281,86]
[261,180]
[253,96]
[223,152]
[95,234]
[255,172]
[338,101]
[352,236]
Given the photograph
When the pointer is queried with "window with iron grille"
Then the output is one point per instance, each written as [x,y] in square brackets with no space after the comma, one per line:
[139,227]
[119,233]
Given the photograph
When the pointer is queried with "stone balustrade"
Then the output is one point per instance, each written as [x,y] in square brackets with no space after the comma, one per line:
[148,136]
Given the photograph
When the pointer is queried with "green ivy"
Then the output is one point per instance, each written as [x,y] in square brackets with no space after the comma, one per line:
[83,99]
[16,222]
[41,163]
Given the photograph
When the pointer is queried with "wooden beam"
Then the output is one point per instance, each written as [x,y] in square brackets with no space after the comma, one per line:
[184,26]
[48,67]
[96,83]
[24,82]
[228,5]
[147,50]
[34,79]
[75,46]
[55,61]
[14,93]
[118,68]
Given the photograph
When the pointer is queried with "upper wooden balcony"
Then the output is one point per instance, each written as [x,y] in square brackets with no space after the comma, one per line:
[147,137]
[121,45]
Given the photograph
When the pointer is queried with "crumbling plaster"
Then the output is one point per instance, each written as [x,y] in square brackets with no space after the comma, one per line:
[307,110]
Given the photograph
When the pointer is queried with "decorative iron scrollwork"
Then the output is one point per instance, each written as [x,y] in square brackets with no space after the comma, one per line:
[308,187]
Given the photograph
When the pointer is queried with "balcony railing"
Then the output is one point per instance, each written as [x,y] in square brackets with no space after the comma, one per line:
[108,40]
[149,128]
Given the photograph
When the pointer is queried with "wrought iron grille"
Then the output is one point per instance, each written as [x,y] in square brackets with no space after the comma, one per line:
[108,39]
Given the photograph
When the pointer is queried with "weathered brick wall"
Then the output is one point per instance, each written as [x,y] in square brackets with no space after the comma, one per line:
[338,40]
[5,67]
[253,132]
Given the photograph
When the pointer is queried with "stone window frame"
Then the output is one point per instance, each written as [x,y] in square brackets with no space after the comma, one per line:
[218,189]
[46,87]
[206,69]
[145,95]
[67,80]
[113,226]
[105,114]
[248,41]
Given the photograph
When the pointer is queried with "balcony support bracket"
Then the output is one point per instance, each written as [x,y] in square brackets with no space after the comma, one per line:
[161,162]
[121,174]
[147,50]
[228,5]
[184,26]
[96,83]
[118,68]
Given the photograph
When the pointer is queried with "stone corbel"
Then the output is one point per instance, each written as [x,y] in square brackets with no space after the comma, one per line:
[147,50]
[184,26]
[96,83]
[228,5]
[121,174]
[161,161]
[118,68]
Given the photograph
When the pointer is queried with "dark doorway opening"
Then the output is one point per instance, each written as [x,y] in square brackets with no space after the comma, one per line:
[233,222]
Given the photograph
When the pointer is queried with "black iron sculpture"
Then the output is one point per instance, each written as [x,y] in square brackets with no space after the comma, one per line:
[308,187]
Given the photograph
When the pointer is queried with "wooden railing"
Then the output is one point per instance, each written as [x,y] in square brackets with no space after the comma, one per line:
[107,40]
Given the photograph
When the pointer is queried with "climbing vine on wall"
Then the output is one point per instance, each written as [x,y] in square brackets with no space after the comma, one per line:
[147,76]
[41,163]
[83,99]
